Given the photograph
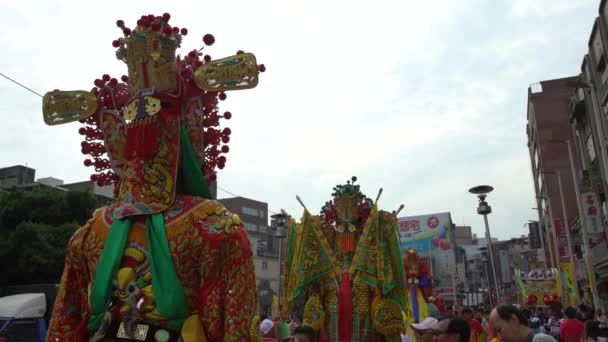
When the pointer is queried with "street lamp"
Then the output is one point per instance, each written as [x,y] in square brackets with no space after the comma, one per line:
[484,209]
[279,222]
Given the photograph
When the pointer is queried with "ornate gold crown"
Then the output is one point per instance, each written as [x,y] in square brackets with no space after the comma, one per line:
[149,51]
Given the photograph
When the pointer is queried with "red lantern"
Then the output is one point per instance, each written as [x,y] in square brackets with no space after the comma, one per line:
[547,300]
[531,299]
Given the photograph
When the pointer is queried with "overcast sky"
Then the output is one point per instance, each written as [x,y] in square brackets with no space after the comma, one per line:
[422,98]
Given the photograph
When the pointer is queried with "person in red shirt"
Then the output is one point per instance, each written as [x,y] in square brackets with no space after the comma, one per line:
[476,328]
[571,329]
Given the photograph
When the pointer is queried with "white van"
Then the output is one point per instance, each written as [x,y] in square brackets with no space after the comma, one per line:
[22,317]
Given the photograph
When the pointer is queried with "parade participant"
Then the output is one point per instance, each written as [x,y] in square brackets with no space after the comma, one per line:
[165,262]
[511,325]
[452,329]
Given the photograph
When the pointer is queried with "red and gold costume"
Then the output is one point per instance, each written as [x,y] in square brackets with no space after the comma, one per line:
[345,266]
[165,262]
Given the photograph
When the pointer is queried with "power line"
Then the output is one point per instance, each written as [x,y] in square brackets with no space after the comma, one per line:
[235,195]
[35,93]
[19,84]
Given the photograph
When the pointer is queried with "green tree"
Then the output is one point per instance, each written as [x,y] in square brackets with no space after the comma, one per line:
[35,228]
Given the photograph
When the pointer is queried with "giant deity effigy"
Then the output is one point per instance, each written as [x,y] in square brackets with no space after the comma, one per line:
[165,262]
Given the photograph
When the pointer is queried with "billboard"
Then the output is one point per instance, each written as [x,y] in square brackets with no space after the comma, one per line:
[432,237]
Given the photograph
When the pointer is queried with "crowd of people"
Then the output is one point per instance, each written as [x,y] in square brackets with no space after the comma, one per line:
[509,323]
[283,331]
[505,323]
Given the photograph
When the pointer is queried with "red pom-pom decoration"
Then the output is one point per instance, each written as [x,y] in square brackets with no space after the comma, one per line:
[113,82]
[222,96]
[105,77]
[120,23]
[208,39]
[88,162]
[94,178]
[99,83]
[116,43]
[176,30]
[124,78]
[140,22]
[166,17]
[261,67]
[126,31]
[225,139]
[167,30]
[227,115]
[227,131]
[240,52]
[207,58]
[225,149]
[155,26]
[184,31]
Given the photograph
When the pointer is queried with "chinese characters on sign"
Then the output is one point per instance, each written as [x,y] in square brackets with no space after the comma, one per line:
[561,236]
[431,236]
[591,212]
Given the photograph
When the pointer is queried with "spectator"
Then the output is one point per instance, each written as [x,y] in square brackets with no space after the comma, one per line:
[571,329]
[424,330]
[601,318]
[268,331]
[474,325]
[592,331]
[487,328]
[304,334]
[452,329]
[510,325]
[554,322]
[540,313]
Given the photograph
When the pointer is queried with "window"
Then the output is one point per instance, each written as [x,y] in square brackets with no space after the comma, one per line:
[250,227]
[262,213]
[598,52]
[264,265]
[249,211]
[590,148]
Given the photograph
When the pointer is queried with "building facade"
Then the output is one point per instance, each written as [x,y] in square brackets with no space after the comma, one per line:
[548,132]
[589,126]
[15,176]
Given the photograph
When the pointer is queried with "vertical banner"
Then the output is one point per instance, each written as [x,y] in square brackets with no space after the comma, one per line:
[570,284]
[562,239]
[275,306]
[591,212]
[431,236]
[534,236]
